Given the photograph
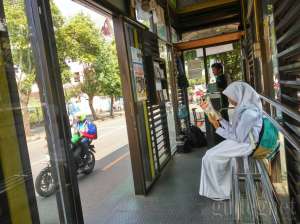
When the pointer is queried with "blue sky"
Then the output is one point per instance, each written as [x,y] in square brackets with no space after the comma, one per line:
[70,8]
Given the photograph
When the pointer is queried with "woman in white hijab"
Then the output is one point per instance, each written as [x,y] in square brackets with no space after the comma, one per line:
[217,163]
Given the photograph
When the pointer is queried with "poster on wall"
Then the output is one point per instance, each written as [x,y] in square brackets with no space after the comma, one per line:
[136,55]
[138,72]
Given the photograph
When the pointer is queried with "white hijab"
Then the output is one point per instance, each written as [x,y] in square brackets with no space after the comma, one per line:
[245,96]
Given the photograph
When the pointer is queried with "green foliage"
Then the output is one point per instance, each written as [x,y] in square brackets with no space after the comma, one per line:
[25,84]
[82,39]
[35,115]
[190,55]
[20,44]
[77,39]
[21,47]
[72,92]
[91,85]
[194,82]
[107,69]
[85,44]
[62,53]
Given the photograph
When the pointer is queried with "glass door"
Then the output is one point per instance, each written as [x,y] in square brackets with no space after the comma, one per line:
[37,183]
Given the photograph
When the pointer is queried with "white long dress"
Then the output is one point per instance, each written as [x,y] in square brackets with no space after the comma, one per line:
[217,163]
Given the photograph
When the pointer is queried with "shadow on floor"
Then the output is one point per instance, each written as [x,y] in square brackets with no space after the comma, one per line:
[174,198]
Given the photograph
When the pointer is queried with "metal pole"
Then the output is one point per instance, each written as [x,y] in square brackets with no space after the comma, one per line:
[205,67]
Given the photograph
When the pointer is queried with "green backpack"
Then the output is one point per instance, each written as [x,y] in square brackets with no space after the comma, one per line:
[268,143]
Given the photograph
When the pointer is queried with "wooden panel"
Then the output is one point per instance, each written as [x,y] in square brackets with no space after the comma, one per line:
[130,111]
[204,5]
[287,28]
[220,39]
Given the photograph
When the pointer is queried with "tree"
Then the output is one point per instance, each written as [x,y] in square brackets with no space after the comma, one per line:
[83,44]
[62,51]
[190,55]
[72,92]
[91,87]
[109,74]
[21,51]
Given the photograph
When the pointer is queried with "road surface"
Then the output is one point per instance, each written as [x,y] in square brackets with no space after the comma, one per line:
[111,151]
[112,135]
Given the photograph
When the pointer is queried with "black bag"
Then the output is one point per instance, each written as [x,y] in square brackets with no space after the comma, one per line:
[185,147]
[196,137]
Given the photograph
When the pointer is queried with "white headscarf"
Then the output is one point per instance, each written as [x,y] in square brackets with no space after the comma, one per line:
[245,96]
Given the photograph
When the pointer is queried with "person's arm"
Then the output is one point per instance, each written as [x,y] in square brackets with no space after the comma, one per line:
[242,130]
[225,124]
[225,129]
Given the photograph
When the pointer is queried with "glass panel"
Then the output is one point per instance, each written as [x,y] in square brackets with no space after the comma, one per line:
[195,69]
[229,56]
[46,183]
[90,72]
[15,177]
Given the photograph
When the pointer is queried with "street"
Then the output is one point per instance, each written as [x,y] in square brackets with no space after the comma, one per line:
[111,151]
[112,135]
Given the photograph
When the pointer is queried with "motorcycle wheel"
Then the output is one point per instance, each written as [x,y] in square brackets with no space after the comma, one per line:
[90,163]
[44,183]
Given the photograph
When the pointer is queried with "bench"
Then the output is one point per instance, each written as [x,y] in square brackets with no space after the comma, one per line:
[251,177]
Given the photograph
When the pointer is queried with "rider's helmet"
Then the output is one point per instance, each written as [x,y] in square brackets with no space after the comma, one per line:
[80,116]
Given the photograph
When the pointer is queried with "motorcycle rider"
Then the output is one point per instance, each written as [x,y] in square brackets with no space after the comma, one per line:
[86,132]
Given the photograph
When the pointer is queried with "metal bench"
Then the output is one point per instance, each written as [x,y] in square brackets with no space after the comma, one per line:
[251,178]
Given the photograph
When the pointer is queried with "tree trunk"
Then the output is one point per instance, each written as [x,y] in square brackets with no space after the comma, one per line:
[24,99]
[112,99]
[92,107]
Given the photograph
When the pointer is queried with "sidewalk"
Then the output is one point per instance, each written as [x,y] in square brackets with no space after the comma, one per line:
[38,133]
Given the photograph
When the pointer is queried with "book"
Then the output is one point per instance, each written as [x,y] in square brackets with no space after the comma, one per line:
[210,110]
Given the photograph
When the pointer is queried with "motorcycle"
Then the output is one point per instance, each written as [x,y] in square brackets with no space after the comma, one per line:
[45,184]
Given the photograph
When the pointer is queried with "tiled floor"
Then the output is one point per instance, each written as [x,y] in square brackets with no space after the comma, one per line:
[174,199]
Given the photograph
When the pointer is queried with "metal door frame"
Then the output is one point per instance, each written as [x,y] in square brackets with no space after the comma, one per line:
[56,118]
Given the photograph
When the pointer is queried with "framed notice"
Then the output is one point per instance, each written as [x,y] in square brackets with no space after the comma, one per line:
[138,70]
[139,74]
[136,55]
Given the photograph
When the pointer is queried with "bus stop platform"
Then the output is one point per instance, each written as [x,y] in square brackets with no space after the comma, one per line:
[173,199]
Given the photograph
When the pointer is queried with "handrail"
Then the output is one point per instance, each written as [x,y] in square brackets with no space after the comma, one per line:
[268,191]
[289,137]
[282,108]
[251,192]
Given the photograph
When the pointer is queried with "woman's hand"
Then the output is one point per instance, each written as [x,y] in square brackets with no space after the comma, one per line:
[203,104]
[213,120]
